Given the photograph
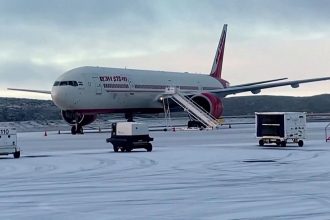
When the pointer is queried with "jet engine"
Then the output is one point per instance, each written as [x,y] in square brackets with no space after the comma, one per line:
[210,103]
[74,118]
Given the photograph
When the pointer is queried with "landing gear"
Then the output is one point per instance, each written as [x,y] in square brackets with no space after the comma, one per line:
[129,117]
[77,129]
[195,124]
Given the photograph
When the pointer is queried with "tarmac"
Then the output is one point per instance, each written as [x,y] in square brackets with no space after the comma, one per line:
[209,174]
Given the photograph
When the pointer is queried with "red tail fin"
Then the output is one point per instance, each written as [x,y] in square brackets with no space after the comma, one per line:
[218,59]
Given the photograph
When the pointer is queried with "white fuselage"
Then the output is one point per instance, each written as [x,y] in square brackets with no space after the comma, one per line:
[104,90]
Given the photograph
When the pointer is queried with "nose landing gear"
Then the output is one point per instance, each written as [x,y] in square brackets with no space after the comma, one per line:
[77,129]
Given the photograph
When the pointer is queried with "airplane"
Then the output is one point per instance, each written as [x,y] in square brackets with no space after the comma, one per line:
[84,92]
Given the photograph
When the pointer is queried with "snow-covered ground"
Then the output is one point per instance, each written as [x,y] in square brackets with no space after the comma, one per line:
[220,174]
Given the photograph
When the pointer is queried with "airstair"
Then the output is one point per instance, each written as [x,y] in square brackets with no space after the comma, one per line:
[194,110]
[327,137]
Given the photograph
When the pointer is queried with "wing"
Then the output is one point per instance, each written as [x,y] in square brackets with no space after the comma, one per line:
[261,82]
[256,88]
[31,90]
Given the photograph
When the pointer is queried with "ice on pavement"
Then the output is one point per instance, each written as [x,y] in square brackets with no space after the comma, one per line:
[219,174]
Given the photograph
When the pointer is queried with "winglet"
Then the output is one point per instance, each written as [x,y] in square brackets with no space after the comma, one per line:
[218,59]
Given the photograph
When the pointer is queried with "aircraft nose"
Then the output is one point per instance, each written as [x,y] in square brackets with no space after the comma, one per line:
[61,98]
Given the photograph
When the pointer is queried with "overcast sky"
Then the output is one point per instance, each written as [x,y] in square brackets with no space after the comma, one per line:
[266,39]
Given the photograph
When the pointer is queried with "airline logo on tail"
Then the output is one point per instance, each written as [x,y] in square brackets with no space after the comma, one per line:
[218,59]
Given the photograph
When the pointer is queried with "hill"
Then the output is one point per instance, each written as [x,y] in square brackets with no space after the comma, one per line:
[250,104]
[14,109]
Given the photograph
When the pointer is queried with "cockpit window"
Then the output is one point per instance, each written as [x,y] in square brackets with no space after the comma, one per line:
[73,83]
[65,83]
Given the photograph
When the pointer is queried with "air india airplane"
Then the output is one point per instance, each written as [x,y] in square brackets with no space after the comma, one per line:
[84,92]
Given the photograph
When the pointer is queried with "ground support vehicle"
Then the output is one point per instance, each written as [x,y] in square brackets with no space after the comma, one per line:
[126,136]
[8,142]
[280,128]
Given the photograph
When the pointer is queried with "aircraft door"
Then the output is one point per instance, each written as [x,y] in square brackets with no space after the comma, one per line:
[131,87]
[98,85]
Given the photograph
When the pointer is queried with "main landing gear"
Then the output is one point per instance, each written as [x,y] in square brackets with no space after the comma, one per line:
[195,124]
[129,117]
[77,129]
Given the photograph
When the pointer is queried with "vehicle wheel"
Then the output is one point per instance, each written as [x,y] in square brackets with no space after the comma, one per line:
[283,143]
[261,142]
[278,142]
[300,143]
[115,148]
[73,130]
[149,148]
[17,154]
[128,149]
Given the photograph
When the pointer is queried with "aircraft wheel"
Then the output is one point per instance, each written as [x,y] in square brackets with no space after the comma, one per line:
[278,142]
[300,143]
[73,130]
[149,148]
[80,129]
[17,154]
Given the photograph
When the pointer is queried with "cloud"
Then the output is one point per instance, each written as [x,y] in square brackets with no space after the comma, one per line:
[41,39]
[21,73]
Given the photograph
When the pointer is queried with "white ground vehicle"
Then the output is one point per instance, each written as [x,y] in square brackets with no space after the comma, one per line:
[8,142]
[126,136]
[280,127]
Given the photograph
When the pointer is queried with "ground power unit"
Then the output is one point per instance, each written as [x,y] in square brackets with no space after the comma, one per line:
[280,128]
[126,136]
[8,142]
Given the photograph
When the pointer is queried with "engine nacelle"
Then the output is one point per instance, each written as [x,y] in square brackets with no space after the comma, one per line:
[73,118]
[210,103]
